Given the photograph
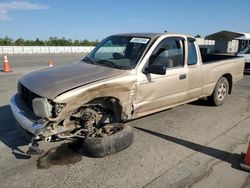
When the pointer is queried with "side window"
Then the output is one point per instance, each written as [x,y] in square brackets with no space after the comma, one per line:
[169,53]
[192,55]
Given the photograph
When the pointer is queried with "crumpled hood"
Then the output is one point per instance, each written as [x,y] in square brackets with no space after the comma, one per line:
[51,82]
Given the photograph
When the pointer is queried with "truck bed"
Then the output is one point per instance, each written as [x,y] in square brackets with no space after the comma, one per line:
[210,58]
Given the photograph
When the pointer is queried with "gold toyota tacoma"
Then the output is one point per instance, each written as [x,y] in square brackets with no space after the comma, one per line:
[126,76]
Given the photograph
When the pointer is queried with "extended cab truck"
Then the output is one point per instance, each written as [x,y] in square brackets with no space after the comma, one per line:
[126,76]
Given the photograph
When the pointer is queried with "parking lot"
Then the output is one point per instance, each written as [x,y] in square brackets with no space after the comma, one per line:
[193,145]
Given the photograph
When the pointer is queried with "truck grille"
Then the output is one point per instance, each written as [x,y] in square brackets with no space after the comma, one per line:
[26,95]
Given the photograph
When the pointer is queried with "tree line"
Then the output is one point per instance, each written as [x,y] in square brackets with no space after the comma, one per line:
[52,41]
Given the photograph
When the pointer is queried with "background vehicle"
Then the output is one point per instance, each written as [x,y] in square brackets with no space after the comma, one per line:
[125,77]
[246,54]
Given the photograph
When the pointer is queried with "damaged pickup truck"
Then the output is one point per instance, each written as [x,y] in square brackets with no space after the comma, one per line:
[126,76]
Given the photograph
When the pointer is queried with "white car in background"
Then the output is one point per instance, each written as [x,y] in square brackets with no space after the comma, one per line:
[246,54]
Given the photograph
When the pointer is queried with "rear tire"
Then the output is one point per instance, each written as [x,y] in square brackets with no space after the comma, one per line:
[102,146]
[220,92]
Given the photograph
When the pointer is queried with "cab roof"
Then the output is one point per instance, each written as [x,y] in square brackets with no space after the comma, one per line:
[144,35]
[148,35]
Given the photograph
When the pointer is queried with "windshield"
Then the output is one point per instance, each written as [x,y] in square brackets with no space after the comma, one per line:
[122,52]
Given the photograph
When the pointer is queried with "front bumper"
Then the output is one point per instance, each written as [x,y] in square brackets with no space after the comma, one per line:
[26,123]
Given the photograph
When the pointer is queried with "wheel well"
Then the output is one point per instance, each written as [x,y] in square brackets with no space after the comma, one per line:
[230,81]
[111,105]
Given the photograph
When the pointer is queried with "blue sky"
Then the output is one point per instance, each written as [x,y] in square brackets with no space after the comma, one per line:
[96,19]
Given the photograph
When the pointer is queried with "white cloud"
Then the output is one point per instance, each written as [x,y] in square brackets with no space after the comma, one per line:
[17,5]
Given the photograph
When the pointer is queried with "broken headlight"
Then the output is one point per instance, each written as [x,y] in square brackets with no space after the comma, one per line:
[41,107]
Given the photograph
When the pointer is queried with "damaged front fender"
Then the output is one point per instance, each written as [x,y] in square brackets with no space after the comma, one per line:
[120,88]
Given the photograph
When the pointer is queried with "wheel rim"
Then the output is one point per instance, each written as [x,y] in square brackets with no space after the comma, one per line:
[222,91]
[110,129]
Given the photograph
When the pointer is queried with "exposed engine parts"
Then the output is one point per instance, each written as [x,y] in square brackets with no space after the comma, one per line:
[56,109]
[92,121]
[86,121]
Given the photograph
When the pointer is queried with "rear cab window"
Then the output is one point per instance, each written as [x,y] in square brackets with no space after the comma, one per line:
[192,53]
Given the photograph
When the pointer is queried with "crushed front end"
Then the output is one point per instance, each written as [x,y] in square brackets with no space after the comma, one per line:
[45,119]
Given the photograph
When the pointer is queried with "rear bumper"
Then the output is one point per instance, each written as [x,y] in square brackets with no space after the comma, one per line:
[24,121]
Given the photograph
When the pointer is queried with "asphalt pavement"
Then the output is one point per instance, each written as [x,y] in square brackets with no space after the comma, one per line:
[193,145]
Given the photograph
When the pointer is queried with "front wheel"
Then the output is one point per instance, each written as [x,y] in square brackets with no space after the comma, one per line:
[117,137]
[220,92]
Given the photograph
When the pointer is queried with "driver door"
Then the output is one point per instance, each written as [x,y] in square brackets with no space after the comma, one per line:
[158,92]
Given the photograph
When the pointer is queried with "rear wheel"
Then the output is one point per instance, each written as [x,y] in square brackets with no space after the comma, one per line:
[220,92]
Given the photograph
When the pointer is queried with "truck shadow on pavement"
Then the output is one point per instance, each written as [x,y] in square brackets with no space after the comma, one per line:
[202,102]
[10,135]
[231,158]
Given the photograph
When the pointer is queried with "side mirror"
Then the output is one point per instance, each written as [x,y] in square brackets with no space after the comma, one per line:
[155,69]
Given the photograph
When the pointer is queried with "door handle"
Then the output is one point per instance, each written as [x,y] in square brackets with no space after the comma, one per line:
[182,76]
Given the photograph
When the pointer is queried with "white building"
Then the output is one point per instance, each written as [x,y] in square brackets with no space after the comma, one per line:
[228,41]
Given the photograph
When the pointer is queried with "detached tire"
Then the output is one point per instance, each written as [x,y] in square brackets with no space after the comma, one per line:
[220,92]
[102,146]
